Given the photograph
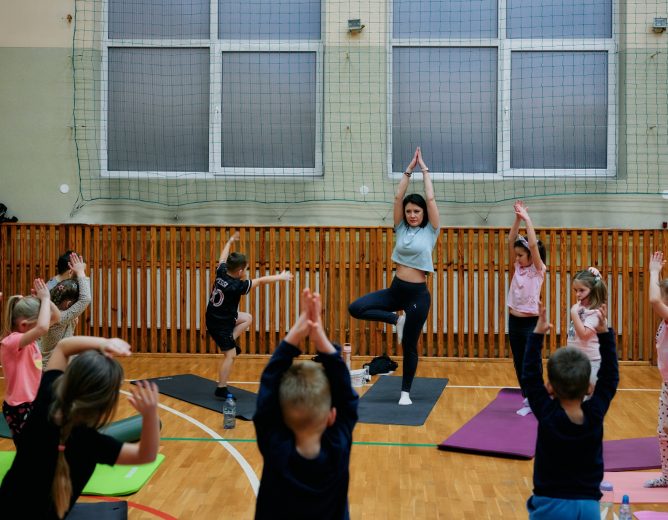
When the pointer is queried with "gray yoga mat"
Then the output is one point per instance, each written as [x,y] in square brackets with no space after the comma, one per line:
[199,391]
[379,404]
[99,511]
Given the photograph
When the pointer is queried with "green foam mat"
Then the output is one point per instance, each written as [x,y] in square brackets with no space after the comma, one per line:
[119,480]
[106,480]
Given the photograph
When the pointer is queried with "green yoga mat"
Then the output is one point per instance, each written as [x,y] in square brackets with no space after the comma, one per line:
[111,481]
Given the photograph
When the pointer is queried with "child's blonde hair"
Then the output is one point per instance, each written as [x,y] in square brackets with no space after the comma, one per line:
[85,395]
[598,291]
[304,395]
[19,308]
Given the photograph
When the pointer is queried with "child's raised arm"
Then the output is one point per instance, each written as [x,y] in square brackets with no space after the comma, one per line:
[344,398]
[608,374]
[513,233]
[43,318]
[532,373]
[283,275]
[656,263]
[144,399]
[67,347]
[523,212]
[226,249]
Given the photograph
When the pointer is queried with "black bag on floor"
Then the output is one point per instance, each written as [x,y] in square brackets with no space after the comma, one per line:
[381,365]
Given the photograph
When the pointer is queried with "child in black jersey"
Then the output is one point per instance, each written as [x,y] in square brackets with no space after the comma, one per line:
[224,322]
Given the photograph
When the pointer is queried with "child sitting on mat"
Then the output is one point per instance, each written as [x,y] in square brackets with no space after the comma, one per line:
[568,467]
[60,445]
[304,422]
[224,322]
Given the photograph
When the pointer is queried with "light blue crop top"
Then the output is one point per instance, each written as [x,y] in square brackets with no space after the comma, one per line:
[414,245]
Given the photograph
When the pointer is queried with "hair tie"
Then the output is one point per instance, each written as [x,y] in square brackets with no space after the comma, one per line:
[523,240]
[61,447]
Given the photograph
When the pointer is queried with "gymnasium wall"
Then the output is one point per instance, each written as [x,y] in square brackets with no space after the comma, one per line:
[38,155]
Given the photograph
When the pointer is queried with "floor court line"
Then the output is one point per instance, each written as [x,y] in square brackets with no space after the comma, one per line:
[215,437]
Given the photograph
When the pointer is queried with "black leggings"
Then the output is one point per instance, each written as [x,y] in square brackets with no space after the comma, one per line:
[412,298]
[519,330]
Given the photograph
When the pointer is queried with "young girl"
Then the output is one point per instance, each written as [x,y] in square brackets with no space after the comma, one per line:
[60,445]
[416,229]
[658,298]
[72,297]
[528,257]
[26,319]
[590,292]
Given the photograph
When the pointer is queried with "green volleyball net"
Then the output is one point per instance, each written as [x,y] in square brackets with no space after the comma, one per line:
[180,102]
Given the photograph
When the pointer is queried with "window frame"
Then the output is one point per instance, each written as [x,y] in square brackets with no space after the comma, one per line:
[506,47]
[216,47]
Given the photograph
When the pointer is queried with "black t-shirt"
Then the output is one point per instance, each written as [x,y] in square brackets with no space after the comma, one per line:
[26,489]
[225,296]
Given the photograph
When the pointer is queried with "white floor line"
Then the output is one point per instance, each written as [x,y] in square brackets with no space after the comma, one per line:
[517,388]
[252,477]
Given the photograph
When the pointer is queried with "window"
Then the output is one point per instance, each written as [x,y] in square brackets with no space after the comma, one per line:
[219,87]
[518,87]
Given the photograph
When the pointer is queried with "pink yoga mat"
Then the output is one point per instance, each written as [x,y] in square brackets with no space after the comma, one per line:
[631,454]
[631,483]
[650,515]
[497,430]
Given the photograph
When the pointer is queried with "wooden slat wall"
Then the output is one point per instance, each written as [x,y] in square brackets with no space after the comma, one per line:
[151,283]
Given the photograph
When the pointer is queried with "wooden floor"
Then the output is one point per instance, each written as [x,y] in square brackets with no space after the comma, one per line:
[202,480]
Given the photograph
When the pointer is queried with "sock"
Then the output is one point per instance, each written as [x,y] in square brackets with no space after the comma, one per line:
[405,398]
[662,481]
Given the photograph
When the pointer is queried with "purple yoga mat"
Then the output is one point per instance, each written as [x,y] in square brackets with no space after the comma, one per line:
[497,430]
[631,454]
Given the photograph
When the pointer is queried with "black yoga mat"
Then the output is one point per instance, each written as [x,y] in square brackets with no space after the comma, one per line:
[379,404]
[199,391]
[99,511]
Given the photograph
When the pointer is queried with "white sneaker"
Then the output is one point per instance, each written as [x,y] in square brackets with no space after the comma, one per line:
[525,410]
[405,399]
[401,321]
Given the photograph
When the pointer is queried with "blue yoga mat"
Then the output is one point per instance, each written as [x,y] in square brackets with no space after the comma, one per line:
[379,404]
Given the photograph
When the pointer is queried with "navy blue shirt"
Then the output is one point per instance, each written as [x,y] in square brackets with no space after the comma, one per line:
[225,295]
[569,456]
[292,486]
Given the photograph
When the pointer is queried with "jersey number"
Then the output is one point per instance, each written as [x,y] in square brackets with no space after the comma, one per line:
[217,297]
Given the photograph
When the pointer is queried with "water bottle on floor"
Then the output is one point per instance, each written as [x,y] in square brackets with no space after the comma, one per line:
[607,502]
[347,351]
[229,412]
[625,509]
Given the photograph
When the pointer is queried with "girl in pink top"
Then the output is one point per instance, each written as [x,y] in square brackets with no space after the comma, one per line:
[26,319]
[528,257]
[658,298]
[590,292]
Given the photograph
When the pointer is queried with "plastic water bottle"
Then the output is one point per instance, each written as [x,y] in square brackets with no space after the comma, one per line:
[607,502]
[229,412]
[347,350]
[625,509]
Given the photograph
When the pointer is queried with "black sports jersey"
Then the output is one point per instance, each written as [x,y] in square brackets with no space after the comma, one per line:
[225,295]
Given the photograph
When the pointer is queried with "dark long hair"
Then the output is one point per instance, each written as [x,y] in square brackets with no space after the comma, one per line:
[418,200]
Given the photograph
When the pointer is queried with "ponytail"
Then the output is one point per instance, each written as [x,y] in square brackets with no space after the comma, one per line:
[61,488]
[18,307]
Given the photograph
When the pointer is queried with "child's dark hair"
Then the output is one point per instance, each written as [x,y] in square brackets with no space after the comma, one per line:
[64,261]
[568,371]
[598,291]
[85,395]
[418,200]
[65,290]
[235,261]
[525,245]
